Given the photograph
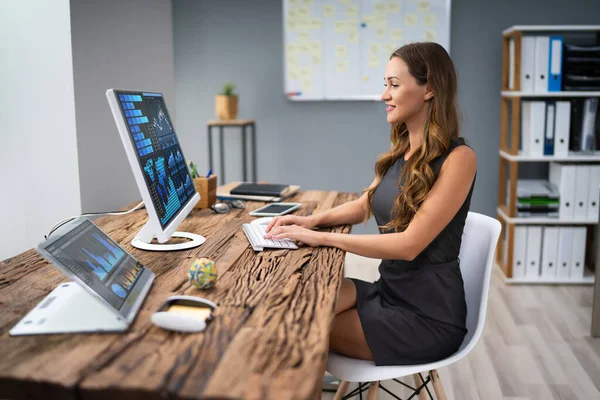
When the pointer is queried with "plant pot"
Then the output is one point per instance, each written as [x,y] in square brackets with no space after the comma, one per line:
[226,107]
[207,189]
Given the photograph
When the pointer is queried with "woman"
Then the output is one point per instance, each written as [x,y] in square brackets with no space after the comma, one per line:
[416,311]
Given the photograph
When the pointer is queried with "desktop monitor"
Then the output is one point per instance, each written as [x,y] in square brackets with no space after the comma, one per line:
[158,165]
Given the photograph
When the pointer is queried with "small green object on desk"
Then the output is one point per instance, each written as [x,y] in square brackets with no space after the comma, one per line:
[202,273]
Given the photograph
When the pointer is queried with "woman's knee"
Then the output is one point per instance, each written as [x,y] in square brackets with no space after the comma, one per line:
[346,297]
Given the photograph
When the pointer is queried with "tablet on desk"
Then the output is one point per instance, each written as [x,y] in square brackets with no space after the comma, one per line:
[275,209]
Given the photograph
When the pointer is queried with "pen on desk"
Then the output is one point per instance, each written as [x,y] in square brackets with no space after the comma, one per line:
[209,173]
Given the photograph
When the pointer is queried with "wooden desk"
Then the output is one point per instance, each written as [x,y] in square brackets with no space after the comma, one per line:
[268,338]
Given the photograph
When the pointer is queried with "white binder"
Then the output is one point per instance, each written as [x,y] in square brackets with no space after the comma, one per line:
[549,251]
[577,253]
[563,176]
[541,64]
[527,63]
[562,128]
[593,193]
[533,252]
[581,191]
[535,129]
[519,252]
[563,258]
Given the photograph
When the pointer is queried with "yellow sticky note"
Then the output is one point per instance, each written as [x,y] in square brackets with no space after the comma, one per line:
[306,72]
[345,1]
[353,37]
[316,48]
[293,2]
[316,59]
[389,48]
[295,73]
[393,7]
[368,19]
[302,12]
[374,62]
[329,11]
[410,19]
[424,6]
[292,59]
[341,51]
[429,19]
[315,23]
[341,65]
[307,84]
[379,24]
[380,33]
[429,35]
[374,49]
[365,78]
[352,11]
[380,8]
[304,48]
[302,37]
[292,14]
[308,2]
[341,26]
[291,48]
[292,25]
[397,35]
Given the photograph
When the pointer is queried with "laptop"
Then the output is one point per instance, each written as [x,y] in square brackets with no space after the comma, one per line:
[108,287]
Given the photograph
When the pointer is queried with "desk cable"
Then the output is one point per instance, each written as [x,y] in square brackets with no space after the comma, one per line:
[64,221]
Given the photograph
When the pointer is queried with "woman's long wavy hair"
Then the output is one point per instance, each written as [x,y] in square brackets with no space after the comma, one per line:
[429,64]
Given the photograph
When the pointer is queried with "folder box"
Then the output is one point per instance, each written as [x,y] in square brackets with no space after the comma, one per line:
[549,251]
[577,253]
[593,209]
[563,176]
[541,64]
[562,128]
[563,257]
[527,63]
[519,251]
[580,200]
[533,252]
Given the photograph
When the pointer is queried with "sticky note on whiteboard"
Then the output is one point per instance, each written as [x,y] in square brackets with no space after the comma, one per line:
[353,37]
[329,11]
[424,6]
[397,35]
[341,51]
[410,19]
[341,65]
[429,19]
[429,35]
[393,7]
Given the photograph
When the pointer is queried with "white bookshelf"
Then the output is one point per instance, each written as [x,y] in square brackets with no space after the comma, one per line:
[513,93]
[544,220]
[570,158]
[511,98]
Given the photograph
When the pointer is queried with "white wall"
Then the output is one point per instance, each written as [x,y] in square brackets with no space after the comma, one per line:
[124,45]
[38,150]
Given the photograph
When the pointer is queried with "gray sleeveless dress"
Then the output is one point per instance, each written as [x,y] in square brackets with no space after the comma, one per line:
[416,312]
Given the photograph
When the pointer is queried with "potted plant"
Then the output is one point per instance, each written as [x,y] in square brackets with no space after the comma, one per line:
[227,103]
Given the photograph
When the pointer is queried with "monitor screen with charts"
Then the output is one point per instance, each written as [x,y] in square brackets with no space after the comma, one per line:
[95,260]
[158,165]
[108,287]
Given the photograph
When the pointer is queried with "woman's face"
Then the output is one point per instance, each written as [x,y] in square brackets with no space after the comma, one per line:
[404,97]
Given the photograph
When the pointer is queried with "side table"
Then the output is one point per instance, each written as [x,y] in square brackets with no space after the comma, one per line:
[244,124]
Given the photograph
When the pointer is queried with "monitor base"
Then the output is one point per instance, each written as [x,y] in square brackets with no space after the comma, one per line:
[195,241]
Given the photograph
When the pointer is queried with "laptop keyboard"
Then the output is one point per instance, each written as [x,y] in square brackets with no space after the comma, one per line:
[256,236]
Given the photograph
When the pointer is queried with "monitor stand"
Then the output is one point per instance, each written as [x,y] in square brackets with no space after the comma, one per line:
[195,241]
[69,308]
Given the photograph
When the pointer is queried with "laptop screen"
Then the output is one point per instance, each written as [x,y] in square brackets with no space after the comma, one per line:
[99,262]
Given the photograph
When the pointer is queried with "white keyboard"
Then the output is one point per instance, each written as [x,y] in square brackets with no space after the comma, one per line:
[256,236]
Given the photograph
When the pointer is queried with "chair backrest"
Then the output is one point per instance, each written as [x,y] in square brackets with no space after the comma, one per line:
[480,236]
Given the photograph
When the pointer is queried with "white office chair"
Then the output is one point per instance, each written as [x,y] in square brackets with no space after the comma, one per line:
[476,256]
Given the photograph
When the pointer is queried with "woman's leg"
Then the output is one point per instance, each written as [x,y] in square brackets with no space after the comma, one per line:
[346,303]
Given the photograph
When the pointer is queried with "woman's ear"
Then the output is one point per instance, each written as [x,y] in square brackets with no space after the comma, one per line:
[428,93]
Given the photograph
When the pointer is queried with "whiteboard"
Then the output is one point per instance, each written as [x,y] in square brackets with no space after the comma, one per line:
[338,49]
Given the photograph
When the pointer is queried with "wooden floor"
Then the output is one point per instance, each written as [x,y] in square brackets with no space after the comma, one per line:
[536,344]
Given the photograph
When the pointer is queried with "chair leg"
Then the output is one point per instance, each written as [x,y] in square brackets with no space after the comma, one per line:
[373,388]
[419,382]
[342,389]
[437,385]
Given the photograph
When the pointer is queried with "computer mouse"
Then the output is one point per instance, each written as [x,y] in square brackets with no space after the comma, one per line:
[184,314]
[262,221]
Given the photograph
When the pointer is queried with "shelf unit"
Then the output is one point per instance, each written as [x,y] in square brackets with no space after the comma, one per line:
[510,115]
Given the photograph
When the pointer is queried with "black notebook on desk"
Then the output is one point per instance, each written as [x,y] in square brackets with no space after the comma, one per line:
[260,189]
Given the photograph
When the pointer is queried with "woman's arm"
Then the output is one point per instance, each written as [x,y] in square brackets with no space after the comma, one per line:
[443,202]
[351,213]
[441,205]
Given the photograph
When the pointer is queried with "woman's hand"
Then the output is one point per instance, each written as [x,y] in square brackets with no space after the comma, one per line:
[298,234]
[304,222]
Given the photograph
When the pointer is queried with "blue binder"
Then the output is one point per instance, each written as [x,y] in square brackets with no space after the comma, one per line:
[555,64]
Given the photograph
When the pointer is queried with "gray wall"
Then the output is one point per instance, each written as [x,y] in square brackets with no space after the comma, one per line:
[333,145]
[124,45]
